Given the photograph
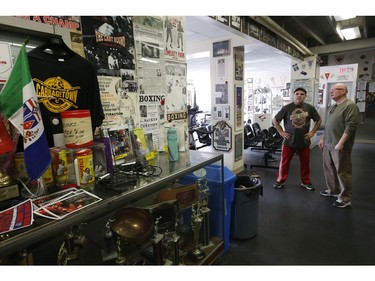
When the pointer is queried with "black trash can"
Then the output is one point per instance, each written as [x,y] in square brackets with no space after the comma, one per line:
[244,222]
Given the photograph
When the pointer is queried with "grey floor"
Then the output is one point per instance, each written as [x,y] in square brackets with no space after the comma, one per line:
[300,227]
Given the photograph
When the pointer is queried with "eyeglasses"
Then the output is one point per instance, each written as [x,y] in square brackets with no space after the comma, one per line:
[337,89]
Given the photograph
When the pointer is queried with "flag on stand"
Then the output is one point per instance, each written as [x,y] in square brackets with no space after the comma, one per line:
[19,104]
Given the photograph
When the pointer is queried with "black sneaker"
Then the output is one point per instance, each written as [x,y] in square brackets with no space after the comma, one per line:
[327,193]
[278,185]
[341,204]
[308,186]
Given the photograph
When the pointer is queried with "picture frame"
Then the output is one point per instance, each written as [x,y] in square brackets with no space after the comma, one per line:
[238,107]
[222,136]
[223,19]
[221,48]
[120,142]
[238,146]
[235,22]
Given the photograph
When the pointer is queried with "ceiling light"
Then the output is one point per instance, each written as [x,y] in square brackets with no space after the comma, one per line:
[350,33]
[340,18]
[200,55]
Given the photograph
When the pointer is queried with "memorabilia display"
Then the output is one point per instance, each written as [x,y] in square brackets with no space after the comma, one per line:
[121,111]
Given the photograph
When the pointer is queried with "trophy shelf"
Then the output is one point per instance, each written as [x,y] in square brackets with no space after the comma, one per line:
[43,230]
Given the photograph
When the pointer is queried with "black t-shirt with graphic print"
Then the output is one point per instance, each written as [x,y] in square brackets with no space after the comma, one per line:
[62,84]
[297,121]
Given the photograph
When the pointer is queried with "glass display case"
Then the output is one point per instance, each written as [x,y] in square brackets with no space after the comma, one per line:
[90,235]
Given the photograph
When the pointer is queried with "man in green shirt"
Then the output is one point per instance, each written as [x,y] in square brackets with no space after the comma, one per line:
[337,143]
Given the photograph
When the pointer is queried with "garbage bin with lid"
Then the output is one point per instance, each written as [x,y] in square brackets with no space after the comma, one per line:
[245,207]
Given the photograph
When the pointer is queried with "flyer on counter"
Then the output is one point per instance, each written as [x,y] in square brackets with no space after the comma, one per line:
[60,207]
[46,199]
[16,217]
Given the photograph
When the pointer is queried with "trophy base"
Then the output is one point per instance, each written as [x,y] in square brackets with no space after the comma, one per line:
[108,255]
[197,254]
[120,260]
[210,244]
[9,192]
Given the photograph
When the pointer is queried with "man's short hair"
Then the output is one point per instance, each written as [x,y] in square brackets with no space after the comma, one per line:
[300,89]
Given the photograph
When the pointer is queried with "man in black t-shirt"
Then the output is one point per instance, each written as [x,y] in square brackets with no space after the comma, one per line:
[297,117]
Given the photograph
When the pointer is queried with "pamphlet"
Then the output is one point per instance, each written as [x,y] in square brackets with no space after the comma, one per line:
[63,203]
[16,217]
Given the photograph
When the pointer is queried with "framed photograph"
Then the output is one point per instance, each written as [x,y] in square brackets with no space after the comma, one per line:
[238,147]
[221,93]
[254,30]
[120,144]
[235,22]
[222,137]
[238,64]
[223,19]
[245,26]
[238,108]
[221,49]
[221,112]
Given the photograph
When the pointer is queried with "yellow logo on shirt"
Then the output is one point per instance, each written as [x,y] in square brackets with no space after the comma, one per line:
[56,94]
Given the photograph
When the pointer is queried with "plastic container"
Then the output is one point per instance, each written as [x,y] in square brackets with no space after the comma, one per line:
[172,144]
[244,222]
[213,175]
[84,169]
[77,128]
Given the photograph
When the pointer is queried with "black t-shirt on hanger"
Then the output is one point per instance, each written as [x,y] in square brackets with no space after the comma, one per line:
[64,81]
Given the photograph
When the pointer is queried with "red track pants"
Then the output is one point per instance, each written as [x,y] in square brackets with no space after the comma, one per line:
[287,153]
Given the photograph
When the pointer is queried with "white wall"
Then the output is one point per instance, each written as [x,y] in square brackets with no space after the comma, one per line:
[199,75]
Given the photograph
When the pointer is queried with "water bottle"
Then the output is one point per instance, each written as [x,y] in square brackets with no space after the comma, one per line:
[172,144]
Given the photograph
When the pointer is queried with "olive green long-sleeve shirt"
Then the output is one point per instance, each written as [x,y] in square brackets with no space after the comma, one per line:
[343,118]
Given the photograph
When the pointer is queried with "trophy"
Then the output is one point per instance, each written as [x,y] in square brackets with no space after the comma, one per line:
[157,244]
[108,252]
[67,251]
[196,222]
[172,241]
[120,257]
[203,199]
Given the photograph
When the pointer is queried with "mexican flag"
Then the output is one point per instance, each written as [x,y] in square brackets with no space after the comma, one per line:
[19,104]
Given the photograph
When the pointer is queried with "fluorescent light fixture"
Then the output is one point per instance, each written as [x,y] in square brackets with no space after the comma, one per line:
[20,45]
[350,33]
[338,30]
[346,17]
[200,55]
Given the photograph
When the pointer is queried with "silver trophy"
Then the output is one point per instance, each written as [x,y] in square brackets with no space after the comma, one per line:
[196,222]
[172,244]
[157,244]
[205,211]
